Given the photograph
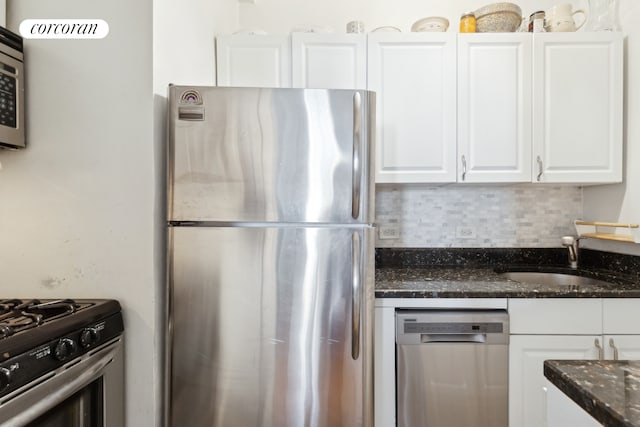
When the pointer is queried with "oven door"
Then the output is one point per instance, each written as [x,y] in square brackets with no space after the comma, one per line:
[86,392]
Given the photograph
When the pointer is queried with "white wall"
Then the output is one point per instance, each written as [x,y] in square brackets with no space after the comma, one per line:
[78,207]
[621,202]
[280,16]
[82,208]
[184,40]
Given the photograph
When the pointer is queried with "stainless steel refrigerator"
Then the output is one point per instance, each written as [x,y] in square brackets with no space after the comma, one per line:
[270,232]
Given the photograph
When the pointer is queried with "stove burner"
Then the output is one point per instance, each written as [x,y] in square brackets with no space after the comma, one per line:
[17,315]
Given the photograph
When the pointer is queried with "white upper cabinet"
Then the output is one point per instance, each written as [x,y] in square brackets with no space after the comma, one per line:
[329,61]
[253,60]
[577,115]
[305,60]
[476,108]
[414,77]
[494,107]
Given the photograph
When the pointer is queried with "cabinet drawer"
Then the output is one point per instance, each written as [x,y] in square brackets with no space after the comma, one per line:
[621,316]
[556,316]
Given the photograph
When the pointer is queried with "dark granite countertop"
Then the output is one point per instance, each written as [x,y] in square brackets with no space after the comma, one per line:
[469,273]
[444,282]
[609,390]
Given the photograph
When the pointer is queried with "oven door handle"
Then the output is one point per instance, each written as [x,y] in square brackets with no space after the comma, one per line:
[28,403]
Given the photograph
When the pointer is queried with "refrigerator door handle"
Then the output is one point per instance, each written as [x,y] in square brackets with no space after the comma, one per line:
[355,296]
[356,165]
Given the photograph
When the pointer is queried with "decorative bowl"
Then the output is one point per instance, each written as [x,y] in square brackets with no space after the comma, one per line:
[498,18]
[386,29]
[431,24]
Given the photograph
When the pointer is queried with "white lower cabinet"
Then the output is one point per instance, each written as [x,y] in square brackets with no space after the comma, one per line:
[385,366]
[621,328]
[563,329]
[564,412]
[555,316]
[527,353]
[544,329]
[621,316]
[561,411]
[621,347]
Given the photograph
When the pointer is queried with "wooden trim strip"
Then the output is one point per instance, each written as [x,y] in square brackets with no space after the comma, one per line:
[607,224]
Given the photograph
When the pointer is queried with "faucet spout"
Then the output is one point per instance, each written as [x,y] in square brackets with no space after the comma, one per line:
[571,244]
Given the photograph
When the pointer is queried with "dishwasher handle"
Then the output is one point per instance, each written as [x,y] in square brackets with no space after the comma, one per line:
[453,338]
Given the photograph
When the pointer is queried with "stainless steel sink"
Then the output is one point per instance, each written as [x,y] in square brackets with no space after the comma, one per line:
[553,279]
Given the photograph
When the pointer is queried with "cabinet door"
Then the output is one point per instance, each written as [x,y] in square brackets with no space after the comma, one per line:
[621,326]
[564,412]
[329,61]
[414,76]
[384,365]
[562,316]
[254,60]
[577,114]
[621,347]
[494,107]
[526,379]
[621,316]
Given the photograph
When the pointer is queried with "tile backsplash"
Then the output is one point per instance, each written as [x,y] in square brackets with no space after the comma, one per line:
[526,216]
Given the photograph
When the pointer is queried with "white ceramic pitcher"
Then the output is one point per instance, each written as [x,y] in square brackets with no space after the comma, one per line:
[559,18]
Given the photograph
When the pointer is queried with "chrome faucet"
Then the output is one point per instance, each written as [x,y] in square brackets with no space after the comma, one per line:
[571,243]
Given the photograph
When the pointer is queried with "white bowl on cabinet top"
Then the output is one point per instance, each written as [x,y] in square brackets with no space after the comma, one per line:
[431,24]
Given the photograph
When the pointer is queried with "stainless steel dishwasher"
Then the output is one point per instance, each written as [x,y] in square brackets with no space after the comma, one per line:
[452,368]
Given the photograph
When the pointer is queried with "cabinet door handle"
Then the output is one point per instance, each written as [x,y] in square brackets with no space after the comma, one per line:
[600,349]
[615,349]
[539,160]
[464,168]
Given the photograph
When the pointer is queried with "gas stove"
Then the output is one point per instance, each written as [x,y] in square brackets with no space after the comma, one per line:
[39,336]
[19,315]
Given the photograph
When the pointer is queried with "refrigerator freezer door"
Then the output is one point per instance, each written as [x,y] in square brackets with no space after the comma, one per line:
[270,155]
[263,325]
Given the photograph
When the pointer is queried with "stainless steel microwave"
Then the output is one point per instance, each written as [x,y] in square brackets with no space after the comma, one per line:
[12,134]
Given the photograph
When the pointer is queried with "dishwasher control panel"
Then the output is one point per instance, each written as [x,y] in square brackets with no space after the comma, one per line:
[413,327]
[475,326]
